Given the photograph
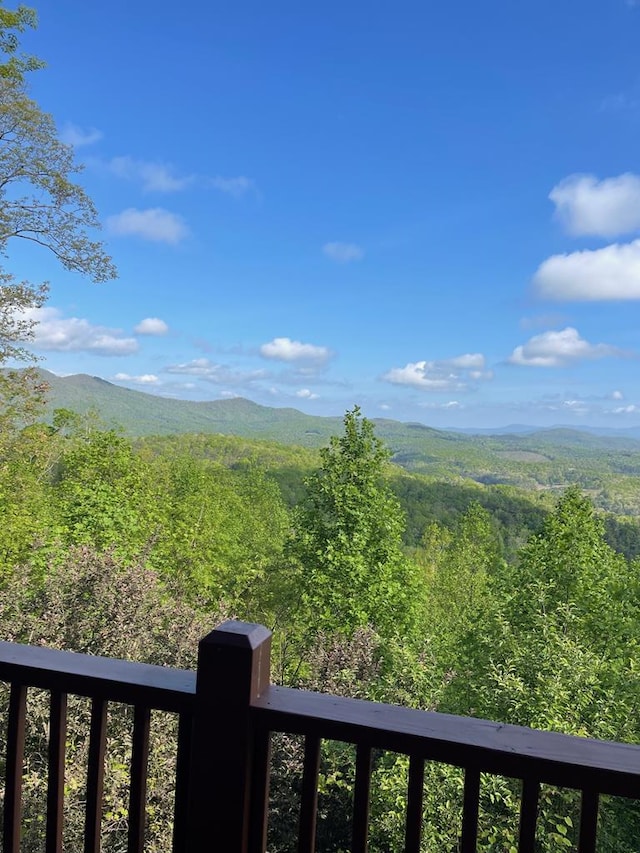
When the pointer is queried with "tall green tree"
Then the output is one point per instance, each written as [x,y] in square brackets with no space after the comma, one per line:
[561,645]
[347,539]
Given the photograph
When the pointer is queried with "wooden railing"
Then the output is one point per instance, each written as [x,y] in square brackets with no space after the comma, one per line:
[228,712]
[103,680]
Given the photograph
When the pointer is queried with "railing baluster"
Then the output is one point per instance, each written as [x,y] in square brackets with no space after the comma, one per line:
[588,822]
[415,794]
[309,795]
[470,810]
[259,798]
[95,776]
[55,784]
[528,816]
[360,837]
[181,801]
[138,789]
[14,769]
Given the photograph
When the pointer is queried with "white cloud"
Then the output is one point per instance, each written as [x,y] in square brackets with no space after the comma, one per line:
[343,253]
[607,208]
[611,273]
[73,334]
[469,360]
[425,375]
[161,177]
[73,135]
[617,395]
[446,375]
[197,367]
[450,404]
[220,374]
[155,224]
[284,349]
[145,379]
[559,349]
[578,407]
[631,409]
[306,394]
[151,326]
[235,187]
[154,176]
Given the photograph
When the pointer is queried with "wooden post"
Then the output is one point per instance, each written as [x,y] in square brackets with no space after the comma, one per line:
[233,670]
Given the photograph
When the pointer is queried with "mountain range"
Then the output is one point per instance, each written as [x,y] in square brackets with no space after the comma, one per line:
[138,413]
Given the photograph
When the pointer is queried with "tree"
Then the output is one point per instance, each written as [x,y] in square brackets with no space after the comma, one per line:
[569,574]
[347,539]
[557,648]
[104,495]
[39,202]
[13,21]
[459,565]
[221,531]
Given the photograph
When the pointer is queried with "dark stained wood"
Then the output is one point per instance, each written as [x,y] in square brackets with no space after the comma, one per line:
[415,796]
[183,765]
[528,816]
[138,787]
[361,795]
[14,768]
[588,822]
[103,678]
[95,776]
[233,670]
[309,795]
[55,782]
[470,809]
[259,793]
[515,751]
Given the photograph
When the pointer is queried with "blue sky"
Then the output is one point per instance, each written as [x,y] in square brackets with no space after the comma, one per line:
[428,209]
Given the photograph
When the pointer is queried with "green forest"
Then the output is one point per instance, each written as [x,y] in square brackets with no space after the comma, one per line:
[493,606]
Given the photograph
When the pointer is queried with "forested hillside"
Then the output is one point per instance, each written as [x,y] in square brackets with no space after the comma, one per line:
[607,467]
[378,583]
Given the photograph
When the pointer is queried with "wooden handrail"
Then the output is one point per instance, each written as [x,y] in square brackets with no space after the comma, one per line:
[516,751]
[129,682]
[104,680]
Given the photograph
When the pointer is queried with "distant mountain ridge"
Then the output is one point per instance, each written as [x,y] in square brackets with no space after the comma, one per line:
[140,413]
[533,459]
[524,429]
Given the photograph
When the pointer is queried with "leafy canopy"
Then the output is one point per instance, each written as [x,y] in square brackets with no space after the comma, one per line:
[12,22]
[347,537]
